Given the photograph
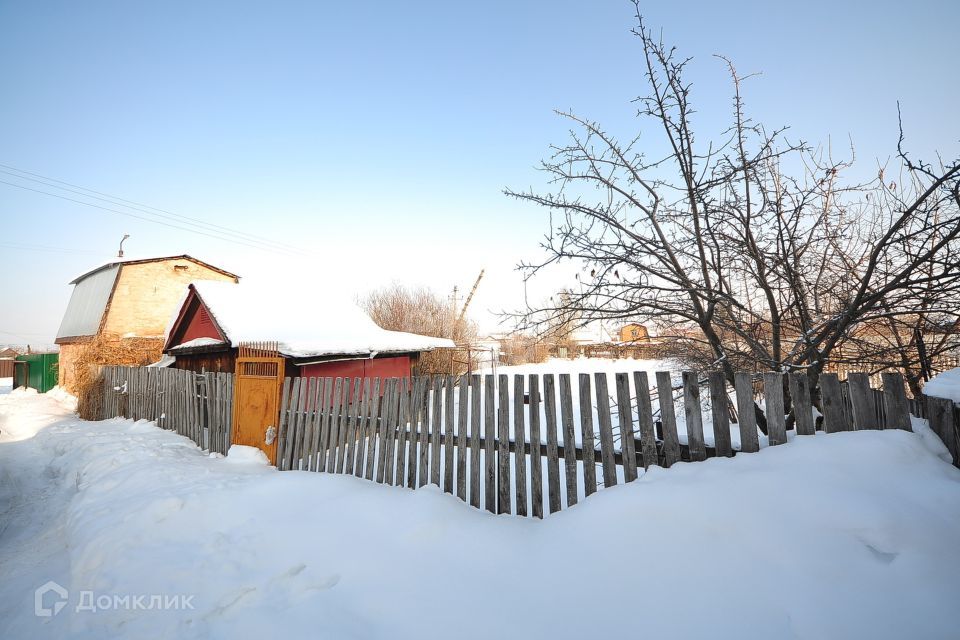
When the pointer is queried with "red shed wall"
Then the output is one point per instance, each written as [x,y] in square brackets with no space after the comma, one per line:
[398,367]
[200,326]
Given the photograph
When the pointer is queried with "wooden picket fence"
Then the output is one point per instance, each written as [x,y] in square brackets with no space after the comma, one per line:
[456,432]
[196,405]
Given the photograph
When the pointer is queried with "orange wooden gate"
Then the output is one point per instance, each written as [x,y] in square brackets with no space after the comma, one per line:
[256,399]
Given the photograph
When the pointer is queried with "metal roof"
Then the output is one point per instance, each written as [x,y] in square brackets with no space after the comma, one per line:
[88,303]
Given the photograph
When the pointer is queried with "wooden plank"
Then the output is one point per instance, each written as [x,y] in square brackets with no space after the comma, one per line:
[373,417]
[489,455]
[895,402]
[694,416]
[504,498]
[354,427]
[569,438]
[773,394]
[520,438]
[362,425]
[390,441]
[800,400]
[719,409]
[475,441]
[291,445]
[462,453]
[414,470]
[448,443]
[299,424]
[625,424]
[607,457]
[668,418]
[403,425]
[536,467]
[423,463]
[861,400]
[831,400]
[382,428]
[436,427]
[330,394]
[316,453]
[588,438]
[345,409]
[333,423]
[553,460]
[940,413]
[749,439]
[648,436]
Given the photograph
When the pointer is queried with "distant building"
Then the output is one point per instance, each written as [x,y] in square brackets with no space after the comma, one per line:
[634,332]
[126,299]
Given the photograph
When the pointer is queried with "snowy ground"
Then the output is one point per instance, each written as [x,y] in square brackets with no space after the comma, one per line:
[850,535]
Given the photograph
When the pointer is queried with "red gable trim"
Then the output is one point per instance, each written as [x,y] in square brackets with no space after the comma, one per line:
[194,321]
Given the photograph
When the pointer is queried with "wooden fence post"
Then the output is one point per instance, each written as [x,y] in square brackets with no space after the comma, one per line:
[776,426]
[802,407]
[895,402]
[691,409]
[668,418]
[719,409]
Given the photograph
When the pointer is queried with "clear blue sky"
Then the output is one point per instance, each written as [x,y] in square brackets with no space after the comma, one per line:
[379,135]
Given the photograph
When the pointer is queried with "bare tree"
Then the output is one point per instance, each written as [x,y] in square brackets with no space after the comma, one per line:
[755,251]
[419,310]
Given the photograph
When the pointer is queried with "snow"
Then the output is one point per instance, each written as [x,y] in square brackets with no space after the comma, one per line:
[6,385]
[944,385]
[848,535]
[316,325]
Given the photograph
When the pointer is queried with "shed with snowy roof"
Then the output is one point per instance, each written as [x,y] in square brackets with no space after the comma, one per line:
[329,338]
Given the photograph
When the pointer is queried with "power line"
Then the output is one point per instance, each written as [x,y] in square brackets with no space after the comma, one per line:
[39,247]
[133,215]
[143,208]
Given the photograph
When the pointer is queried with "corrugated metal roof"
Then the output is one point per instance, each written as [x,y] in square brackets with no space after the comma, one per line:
[87,304]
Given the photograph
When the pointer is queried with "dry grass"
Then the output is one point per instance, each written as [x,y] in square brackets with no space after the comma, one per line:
[102,351]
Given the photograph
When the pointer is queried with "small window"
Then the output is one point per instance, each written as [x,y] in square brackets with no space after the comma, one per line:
[179,267]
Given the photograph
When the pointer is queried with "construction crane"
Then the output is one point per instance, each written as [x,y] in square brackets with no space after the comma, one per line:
[463,311]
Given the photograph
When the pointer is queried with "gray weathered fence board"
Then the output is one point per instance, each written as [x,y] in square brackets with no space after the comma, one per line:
[802,407]
[834,419]
[861,400]
[773,391]
[606,430]
[536,467]
[648,437]
[475,441]
[694,416]
[749,440]
[895,402]
[668,418]
[720,412]
[519,436]
[589,440]
[462,453]
[503,447]
[550,424]
[569,439]
[489,454]
[625,419]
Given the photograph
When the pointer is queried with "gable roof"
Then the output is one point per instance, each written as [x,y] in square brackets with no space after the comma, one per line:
[123,261]
[92,291]
[326,327]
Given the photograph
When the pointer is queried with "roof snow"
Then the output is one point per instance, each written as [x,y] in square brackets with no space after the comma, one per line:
[305,323]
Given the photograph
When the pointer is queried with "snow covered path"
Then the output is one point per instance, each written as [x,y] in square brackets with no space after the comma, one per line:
[851,535]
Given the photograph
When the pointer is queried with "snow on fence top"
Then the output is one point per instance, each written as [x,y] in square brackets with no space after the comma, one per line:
[945,385]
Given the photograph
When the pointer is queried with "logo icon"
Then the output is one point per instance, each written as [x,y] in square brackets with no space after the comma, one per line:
[59,602]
